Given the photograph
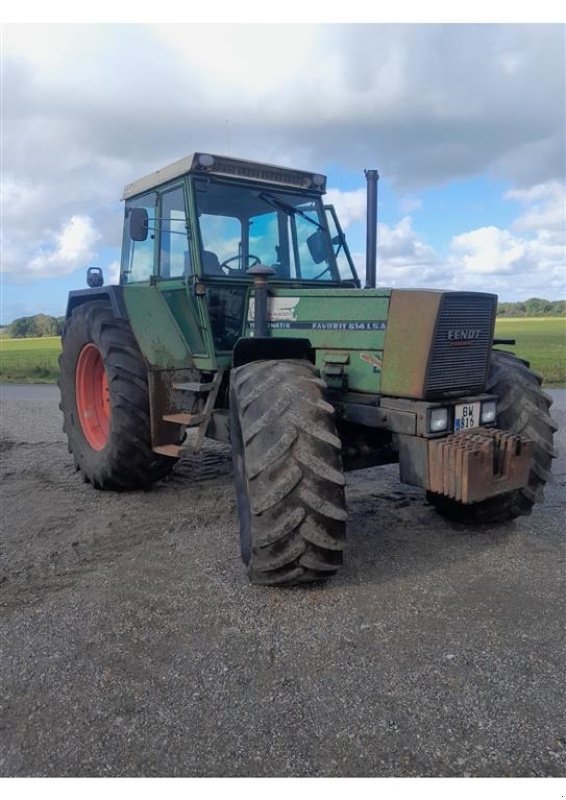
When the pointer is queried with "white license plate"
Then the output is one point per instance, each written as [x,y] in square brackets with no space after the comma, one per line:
[466,415]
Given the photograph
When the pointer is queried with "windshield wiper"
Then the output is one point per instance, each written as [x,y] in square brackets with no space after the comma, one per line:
[289,209]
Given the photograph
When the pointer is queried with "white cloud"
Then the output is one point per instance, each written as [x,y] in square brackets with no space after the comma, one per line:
[400,246]
[527,258]
[489,250]
[113,273]
[404,260]
[416,97]
[19,198]
[546,207]
[518,266]
[89,108]
[249,58]
[46,49]
[69,248]
[350,206]
[512,264]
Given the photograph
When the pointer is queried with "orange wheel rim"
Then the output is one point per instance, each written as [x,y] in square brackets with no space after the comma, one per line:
[93,397]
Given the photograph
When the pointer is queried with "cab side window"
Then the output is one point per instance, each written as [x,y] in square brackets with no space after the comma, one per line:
[174,252]
[138,256]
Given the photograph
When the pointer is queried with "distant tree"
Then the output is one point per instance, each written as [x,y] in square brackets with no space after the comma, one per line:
[38,325]
[45,325]
[19,328]
[535,306]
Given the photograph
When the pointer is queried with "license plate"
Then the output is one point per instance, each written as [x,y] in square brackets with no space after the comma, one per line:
[466,415]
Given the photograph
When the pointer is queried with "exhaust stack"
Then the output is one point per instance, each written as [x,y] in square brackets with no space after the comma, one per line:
[372,177]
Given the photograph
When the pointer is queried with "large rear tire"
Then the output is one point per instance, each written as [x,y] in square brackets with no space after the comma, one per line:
[105,401]
[522,408]
[288,473]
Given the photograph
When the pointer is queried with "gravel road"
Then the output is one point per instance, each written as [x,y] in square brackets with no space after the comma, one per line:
[133,645]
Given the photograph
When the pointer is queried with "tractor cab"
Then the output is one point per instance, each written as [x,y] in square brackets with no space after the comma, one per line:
[219,217]
[195,230]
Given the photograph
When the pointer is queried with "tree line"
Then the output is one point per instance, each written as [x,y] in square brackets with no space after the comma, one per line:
[46,325]
[533,307]
[37,326]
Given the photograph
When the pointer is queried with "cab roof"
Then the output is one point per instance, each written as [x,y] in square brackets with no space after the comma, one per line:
[225,166]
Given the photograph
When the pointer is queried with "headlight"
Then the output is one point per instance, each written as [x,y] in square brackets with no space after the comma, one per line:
[488,411]
[438,420]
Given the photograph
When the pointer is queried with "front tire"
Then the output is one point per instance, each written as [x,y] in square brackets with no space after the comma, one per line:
[105,401]
[523,409]
[288,473]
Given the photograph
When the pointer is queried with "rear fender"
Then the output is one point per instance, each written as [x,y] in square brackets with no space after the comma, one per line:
[111,294]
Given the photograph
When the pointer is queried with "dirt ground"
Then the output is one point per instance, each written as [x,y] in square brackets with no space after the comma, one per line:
[133,645]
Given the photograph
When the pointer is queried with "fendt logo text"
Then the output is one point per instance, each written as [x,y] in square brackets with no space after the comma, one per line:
[463,334]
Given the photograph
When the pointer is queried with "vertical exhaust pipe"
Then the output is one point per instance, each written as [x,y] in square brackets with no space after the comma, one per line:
[372,177]
[260,273]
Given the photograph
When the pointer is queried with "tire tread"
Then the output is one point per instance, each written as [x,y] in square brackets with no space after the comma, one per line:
[289,473]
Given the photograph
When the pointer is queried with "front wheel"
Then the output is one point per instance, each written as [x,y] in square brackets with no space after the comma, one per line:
[523,409]
[288,473]
[105,401]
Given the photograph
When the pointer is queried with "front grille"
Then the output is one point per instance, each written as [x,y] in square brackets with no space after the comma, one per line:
[461,347]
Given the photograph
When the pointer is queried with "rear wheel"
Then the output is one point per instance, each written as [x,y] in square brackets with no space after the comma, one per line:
[105,401]
[522,408]
[288,473]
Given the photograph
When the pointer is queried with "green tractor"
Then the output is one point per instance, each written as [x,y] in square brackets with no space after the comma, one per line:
[239,315]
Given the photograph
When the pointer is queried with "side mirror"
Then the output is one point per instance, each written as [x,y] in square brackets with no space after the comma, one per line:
[138,224]
[94,277]
[316,243]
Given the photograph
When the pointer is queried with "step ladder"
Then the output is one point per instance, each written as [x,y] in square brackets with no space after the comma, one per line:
[199,421]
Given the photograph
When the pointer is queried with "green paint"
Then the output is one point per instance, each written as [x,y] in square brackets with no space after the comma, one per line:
[346,327]
[338,323]
[171,325]
[154,326]
[184,308]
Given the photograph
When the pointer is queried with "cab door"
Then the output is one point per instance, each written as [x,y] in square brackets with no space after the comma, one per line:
[158,276]
[176,274]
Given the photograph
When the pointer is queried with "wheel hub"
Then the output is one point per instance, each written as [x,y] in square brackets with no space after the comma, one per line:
[93,397]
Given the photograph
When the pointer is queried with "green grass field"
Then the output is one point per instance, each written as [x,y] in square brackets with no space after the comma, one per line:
[541,340]
[29,360]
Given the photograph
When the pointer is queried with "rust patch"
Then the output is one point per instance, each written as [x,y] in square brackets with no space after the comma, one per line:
[371,359]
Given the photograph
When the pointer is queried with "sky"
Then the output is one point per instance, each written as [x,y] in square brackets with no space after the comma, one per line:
[465,123]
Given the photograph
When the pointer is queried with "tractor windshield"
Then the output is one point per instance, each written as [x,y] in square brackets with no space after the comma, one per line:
[241,226]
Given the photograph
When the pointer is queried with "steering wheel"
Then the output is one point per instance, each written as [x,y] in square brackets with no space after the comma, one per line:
[225,263]
[320,274]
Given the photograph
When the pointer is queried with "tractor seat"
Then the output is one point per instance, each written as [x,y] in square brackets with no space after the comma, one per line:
[211,264]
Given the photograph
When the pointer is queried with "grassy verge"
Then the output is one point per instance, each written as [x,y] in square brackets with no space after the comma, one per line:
[29,360]
[541,340]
